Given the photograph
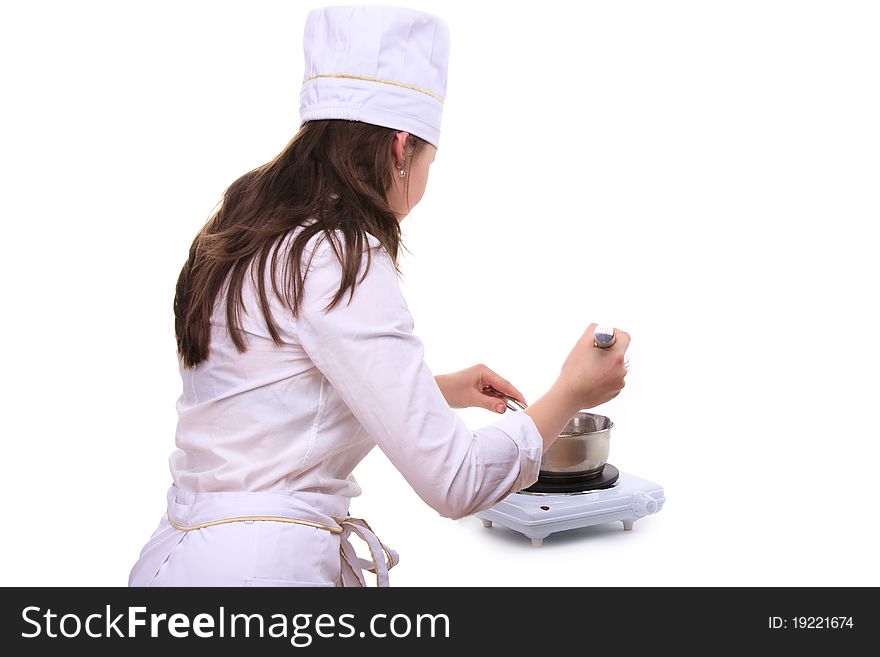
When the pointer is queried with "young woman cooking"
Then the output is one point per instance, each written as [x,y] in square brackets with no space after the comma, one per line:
[296,347]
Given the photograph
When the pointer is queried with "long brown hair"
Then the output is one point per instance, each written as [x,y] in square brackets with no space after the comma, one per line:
[334,174]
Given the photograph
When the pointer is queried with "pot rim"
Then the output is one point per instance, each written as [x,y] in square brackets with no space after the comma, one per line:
[569,434]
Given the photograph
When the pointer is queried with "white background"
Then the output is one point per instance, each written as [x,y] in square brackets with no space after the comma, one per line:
[701,174]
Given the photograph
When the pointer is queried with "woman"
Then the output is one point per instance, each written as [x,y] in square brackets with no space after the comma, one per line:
[295,343]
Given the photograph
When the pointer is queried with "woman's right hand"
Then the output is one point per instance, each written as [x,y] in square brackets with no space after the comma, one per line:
[590,375]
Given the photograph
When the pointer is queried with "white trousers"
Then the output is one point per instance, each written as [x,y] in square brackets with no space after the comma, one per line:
[195,544]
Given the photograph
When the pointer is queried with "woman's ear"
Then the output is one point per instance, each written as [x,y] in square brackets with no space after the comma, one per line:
[399,148]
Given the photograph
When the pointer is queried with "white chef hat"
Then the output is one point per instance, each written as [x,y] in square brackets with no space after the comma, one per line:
[380,65]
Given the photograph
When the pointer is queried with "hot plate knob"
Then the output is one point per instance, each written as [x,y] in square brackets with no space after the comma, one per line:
[643,505]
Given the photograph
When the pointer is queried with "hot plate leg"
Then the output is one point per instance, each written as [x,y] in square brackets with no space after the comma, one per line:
[537,542]
[487,523]
[627,525]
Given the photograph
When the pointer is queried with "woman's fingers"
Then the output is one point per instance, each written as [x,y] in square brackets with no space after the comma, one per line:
[488,377]
[589,335]
[623,339]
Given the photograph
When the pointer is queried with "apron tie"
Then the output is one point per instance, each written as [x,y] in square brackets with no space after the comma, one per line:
[188,511]
[383,558]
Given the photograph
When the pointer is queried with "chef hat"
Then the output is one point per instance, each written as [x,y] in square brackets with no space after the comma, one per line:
[380,65]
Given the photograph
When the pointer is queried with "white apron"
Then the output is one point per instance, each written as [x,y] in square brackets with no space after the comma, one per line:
[258,539]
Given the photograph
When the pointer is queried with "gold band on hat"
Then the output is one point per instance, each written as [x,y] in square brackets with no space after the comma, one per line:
[369,79]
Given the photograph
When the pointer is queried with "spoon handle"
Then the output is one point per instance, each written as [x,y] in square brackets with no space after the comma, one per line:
[512,404]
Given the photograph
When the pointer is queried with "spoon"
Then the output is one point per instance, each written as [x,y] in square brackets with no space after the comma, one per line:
[512,404]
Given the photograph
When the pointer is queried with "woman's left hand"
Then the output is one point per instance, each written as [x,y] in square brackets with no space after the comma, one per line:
[464,389]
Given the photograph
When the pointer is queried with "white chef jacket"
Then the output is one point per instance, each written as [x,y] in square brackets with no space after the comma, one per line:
[296,419]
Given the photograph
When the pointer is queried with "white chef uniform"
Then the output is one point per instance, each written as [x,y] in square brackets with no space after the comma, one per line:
[277,431]
[267,439]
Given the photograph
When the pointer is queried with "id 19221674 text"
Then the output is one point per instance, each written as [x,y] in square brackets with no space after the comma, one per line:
[810,623]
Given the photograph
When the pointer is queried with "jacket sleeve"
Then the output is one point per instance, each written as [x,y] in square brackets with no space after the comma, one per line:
[367,351]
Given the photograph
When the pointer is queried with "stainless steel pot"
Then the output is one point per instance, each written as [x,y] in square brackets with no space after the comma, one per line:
[581,448]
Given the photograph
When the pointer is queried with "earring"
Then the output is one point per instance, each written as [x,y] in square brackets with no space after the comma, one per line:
[402,173]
